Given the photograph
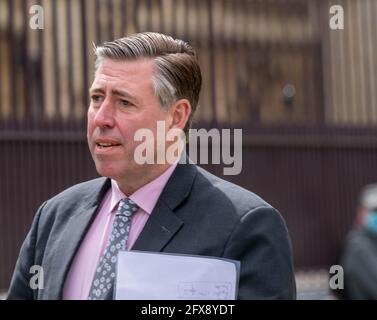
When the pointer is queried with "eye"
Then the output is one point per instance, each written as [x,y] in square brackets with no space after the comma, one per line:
[96,98]
[125,103]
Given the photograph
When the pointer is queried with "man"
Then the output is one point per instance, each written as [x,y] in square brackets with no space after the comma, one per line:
[359,258]
[172,208]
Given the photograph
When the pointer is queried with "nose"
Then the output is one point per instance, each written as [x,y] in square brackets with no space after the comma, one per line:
[104,116]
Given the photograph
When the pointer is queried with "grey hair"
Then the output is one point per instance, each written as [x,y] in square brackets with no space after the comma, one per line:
[177,72]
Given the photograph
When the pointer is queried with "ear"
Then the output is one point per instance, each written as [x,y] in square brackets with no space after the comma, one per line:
[179,114]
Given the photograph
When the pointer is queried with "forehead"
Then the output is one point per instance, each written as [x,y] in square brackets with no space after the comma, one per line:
[125,72]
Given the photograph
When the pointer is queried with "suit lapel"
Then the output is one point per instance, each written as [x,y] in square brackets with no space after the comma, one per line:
[163,224]
[161,227]
[71,238]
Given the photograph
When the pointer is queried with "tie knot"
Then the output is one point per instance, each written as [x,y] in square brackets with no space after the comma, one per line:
[126,207]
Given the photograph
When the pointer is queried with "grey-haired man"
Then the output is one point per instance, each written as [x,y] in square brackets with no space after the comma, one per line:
[161,207]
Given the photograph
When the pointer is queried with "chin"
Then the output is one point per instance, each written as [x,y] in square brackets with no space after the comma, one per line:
[114,171]
[106,171]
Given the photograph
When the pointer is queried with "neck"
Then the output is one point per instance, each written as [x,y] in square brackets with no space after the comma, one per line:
[128,185]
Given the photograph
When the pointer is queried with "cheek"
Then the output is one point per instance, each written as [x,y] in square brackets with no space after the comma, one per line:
[129,128]
[151,122]
[90,124]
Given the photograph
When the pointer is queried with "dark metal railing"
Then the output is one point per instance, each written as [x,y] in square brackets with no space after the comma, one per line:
[306,166]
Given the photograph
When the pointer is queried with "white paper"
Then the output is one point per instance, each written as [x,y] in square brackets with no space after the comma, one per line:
[156,276]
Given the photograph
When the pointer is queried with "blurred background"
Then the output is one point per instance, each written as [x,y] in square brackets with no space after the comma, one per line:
[304,95]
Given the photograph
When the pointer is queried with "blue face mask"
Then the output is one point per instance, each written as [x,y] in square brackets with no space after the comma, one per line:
[371,221]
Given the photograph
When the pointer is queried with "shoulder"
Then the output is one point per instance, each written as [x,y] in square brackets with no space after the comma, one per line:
[74,198]
[79,191]
[231,204]
[360,240]
[223,192]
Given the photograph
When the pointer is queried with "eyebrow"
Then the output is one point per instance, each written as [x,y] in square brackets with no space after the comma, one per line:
[117,92]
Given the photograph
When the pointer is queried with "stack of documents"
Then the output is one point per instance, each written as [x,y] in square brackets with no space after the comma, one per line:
[161,276]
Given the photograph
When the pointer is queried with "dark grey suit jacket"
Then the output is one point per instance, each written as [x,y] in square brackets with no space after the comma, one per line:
[197,213]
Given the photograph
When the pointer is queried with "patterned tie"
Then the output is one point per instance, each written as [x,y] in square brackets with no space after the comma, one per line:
[103,281]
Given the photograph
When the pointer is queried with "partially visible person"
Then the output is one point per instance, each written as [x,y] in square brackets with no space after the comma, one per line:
[359,258]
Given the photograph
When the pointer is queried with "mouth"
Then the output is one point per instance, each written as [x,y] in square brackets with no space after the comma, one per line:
[106,144]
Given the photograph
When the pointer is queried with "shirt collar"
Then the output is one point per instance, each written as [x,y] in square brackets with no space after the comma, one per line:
[145,197]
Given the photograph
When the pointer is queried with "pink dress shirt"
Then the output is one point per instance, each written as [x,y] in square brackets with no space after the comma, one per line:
[81,273]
